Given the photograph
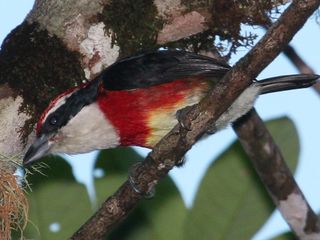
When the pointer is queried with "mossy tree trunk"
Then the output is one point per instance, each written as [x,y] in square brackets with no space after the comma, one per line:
[63,43]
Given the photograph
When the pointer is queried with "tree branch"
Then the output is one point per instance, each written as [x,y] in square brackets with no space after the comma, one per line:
[276,176]
[272,169]
[175,144]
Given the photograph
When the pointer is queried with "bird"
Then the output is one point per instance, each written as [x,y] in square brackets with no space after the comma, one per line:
[135,101]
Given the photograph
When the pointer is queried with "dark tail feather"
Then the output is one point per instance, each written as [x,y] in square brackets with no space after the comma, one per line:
[287,82]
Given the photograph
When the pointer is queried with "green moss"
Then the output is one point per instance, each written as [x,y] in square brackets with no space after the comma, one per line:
[135,25]
[205,42]
[196,4]
[198,42]
[227,17]
[38,67]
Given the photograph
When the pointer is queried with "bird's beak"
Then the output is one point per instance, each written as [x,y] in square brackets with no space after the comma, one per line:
[37,150]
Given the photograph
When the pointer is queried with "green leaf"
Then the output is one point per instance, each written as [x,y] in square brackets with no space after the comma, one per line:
[285,236]
[56,200]
[159,218]
[231,202]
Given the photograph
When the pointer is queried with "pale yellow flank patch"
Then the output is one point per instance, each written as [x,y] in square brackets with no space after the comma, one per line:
[161,122]
[163,119]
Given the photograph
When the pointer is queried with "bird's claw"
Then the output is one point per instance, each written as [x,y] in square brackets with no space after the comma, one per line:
[212,129]
[147,195]
[181,162]
[181,117]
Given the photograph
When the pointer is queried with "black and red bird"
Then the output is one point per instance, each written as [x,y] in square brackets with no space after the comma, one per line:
[134,103]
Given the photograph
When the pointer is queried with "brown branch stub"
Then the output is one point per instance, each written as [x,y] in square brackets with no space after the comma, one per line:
[265,155]
[297,61]
[181,27]
[276,176]
[174,145]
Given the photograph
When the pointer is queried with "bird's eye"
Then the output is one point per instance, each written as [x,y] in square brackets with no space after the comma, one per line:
[53,120]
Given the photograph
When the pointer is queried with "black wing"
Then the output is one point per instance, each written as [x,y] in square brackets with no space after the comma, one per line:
[160,67]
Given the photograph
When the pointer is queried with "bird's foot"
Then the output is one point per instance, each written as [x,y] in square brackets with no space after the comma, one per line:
[182,119]
[135,186]
[212,129]
[181,162]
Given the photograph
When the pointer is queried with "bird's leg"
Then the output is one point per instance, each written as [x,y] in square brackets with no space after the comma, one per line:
[132,173]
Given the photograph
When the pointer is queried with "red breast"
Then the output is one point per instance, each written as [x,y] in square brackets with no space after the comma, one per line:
[143,116]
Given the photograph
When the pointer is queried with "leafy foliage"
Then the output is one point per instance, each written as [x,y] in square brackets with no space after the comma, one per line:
[58,204]
[231,202]
[159,218]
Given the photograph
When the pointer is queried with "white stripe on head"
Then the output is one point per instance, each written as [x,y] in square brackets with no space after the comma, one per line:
[58,104]
[54,105]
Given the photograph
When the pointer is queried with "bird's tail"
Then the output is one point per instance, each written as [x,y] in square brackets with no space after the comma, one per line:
[287,82]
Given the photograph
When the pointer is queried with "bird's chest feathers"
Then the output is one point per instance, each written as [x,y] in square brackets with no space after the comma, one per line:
[143,116]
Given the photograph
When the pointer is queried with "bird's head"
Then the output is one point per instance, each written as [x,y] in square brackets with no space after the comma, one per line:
[71,124]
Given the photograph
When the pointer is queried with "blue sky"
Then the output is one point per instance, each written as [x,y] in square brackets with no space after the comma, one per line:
[299,105]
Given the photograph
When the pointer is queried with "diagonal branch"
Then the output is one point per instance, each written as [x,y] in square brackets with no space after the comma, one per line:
[276,176]
[272,169]
[175,144]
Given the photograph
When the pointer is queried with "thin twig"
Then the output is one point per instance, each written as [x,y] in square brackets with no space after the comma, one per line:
[276,176]
[174,145]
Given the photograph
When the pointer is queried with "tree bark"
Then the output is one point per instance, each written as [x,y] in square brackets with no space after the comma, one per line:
[80,35]
[56,34]
[268,161]
[173,146]
[60,44]
[63,43]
